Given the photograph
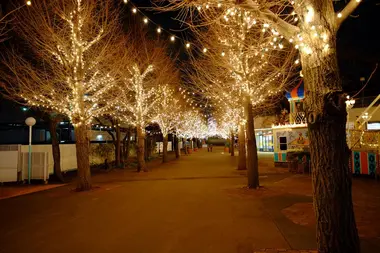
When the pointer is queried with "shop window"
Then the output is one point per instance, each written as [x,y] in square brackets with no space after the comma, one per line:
[283,143]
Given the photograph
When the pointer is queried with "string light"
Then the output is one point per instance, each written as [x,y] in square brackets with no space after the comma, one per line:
[29,3]
[145,20]
[134,10]
[158,30]
[82,96]
[172,38]
[187,45]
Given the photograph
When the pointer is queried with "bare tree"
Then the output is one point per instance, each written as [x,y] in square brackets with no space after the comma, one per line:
[191,125]
[167,114]
[115,133]
[256,68]
[69,68]
[6,19]
[146,66]
[311,26]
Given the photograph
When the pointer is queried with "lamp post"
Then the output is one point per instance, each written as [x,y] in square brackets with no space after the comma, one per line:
[350,102]
[30,122]
[362,80]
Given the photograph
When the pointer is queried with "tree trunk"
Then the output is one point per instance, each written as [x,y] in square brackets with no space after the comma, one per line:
[332,178]
[184,146]
[252,159]
[176,148]
[242,165]
[165,149]
[141,166]
[153,146]
[126,145]
[83,160]
[117,146]
[55,148]
[232,150]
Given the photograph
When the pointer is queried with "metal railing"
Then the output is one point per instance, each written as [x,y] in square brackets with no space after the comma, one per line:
[362,139]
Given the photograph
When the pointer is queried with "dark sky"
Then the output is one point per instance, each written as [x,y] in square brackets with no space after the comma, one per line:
[358,40]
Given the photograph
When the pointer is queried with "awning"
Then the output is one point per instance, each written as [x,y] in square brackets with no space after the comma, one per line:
[297,93]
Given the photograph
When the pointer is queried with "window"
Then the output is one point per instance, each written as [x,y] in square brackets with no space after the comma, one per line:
[373,126]
[283,143]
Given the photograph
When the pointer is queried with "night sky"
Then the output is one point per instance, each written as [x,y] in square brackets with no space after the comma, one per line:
[358,40]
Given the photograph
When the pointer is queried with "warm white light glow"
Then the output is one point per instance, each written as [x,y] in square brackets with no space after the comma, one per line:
[172,38]
[159,30]
[187,45]
[310,14]
[29,3]
[339,15]
[204,50]
[145,20]
[134,10]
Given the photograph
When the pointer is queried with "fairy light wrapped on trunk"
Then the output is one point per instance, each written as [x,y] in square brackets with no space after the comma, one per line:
[71,71]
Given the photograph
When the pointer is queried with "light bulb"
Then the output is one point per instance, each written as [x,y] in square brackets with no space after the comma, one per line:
[134,10]
[339,15]
[297,61]
[29,3]
[204,50]
[125,1]
[159,30]
[187,45]
[172,38]
[223,54]
[145,20]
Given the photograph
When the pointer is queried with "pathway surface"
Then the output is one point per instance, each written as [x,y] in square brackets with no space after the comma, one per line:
[195,204]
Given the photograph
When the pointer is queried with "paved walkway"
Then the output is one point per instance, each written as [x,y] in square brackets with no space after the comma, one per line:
[195,204]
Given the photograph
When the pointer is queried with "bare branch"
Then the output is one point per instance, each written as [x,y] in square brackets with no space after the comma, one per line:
[343,15]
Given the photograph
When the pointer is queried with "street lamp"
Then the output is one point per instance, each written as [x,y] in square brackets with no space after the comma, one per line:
[350,102]
[30,122]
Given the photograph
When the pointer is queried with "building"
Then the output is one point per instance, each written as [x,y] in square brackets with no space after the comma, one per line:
[291,133]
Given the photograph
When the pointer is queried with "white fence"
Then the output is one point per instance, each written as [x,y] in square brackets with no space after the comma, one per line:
[9,162]
[39,166]
[14,161]
[160,146]
[68,156]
